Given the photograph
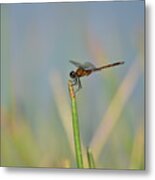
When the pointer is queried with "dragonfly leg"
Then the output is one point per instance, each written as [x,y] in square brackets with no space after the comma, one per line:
[79,85]
[74,81]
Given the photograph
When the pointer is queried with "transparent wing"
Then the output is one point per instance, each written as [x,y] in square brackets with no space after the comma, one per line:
[86,65]
[76,63]
[89,66]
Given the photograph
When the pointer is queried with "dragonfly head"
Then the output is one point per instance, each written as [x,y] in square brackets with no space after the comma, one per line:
[72,74]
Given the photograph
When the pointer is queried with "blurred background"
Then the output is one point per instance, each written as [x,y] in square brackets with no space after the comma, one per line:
[37,42]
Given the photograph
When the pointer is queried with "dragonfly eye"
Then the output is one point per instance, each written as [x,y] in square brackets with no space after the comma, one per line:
[72,74]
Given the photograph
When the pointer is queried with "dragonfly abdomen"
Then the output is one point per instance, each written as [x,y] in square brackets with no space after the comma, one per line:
[109,65]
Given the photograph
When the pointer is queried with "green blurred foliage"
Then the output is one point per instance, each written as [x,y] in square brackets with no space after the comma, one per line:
[37,42]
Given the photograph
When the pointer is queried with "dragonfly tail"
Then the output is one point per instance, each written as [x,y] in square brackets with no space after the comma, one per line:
[109,65]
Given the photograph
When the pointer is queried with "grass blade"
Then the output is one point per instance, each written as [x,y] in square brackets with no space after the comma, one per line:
[75,124]
[90,158]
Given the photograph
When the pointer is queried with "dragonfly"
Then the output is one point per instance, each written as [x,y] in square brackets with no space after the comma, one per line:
[85,70]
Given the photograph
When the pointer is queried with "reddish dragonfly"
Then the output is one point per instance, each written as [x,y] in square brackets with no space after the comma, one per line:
[86,69]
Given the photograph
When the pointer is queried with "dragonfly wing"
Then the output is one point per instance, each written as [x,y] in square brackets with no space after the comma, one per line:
[76,63]
[88,66]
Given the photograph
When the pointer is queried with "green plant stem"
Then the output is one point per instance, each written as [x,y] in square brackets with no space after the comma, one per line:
[75,124]
[90,158]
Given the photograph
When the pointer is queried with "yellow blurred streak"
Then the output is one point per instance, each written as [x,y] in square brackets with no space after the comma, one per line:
[137,155]
[115,108]
[64,109]
[96,50]
[65,163]
[18,134]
